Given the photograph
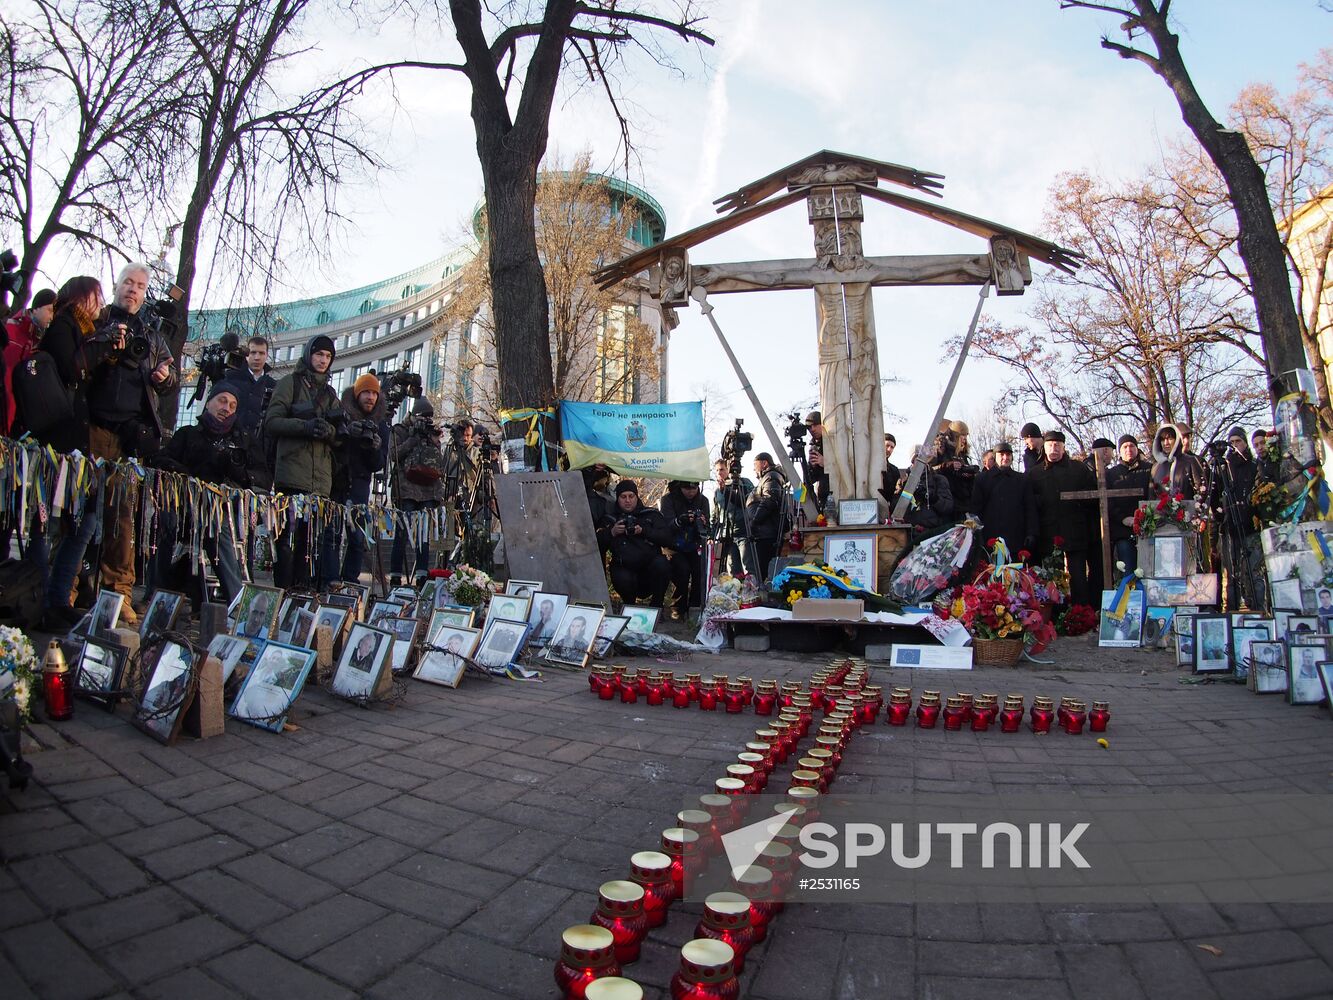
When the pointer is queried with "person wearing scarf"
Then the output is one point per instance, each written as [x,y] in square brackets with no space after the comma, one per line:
[214,450]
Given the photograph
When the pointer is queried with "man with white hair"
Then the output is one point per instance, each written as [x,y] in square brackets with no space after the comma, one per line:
[122,410]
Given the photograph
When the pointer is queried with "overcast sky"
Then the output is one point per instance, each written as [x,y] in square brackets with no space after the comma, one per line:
[1000,97]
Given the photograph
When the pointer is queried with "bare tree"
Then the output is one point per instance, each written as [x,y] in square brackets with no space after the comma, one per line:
[1258,242]
[1143,333]
[92,98]
[599,349]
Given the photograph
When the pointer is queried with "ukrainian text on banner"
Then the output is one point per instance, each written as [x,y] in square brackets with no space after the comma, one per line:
[663,441]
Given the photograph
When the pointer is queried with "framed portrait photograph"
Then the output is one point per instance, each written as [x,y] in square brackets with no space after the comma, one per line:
[164,607]
[1183,621]
[273,683]
[1323,608]
[855,555]
[1326,679]
[405,632]
[457,617]
[445,665]
[291,604]
[1212,644]
[1300,627]
[104,616]
[607,633]
[858,512]
[500,642]
[1268,667]
[98,671]
[1243,638]
[545,615]
[523,588]
[1303,684]
[364,664]
[1185,647]
[228,650]
[254,613]
[1287,594]
[1168,556]
[1158,627]
[1201,589]
[333,618]
[572,642]
[167,691]
[509,606]
[641,619]
[1165,592]
[1128,630]
[347,602]
[381,610]
[303,634]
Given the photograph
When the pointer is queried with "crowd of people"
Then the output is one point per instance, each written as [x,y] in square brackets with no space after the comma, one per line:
[113,367]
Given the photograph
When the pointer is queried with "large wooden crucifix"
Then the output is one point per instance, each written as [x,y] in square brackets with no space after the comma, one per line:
[841,277]
[1103,497]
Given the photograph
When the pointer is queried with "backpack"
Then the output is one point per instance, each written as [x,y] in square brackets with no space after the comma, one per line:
[21,588]
[424,464]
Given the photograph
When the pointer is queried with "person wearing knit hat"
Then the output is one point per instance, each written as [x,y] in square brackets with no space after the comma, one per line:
[1070,521]
[1005,500]
[1230,498]
[24,330]
[1033,455]
[425,473]
[366,382]
[300,418]
[634,535]
[1132,472]
[366,451]
[687,515]
[765,509]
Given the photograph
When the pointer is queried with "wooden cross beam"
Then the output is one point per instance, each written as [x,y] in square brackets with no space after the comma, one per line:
[1103,497]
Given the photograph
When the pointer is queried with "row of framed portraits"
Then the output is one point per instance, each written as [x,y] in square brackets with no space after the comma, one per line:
[1286,653]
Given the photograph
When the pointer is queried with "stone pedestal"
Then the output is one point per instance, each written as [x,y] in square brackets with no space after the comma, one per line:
[890,544]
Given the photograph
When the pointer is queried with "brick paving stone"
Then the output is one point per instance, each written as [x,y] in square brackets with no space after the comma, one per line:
[989,987]
[1310,978]
[17,907]
[154,837]
[57,884]
[801,964]
[372,952]
[1257,948]
[875,966]
[233,901]
[487,963]
[387,823]
[1019,961]
[328,840]
[260,973]
[188,983]
[281,881]
[107,923]
[107,869]
[1100,972]
[179,945]
[511,915]
[15,988]
[53,964]
[356,864]
[416,981]
[307,931]
[185,859]
[1104,927]
[49,841]
[448,873]
[1168,970]
[440,906]
[289,815]
[948,922]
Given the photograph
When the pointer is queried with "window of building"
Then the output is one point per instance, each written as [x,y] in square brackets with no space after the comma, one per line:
[366,306]
[324,317]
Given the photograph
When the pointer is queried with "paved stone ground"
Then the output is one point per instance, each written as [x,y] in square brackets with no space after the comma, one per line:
[437,848]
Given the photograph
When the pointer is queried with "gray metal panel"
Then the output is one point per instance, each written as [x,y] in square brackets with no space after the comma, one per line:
[548,534]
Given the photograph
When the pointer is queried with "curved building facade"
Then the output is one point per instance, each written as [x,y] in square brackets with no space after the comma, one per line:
[397,324]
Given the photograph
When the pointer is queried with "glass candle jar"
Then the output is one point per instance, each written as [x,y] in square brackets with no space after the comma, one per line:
[823,758]
[747,687]
[656,691]
[652,870]
[1100,716]
[1011,717]
[629,689]
[727,919]
[780,862]
[587,953]
[1063,710]
[682,847]
[595,675]
[765,699]
[989,703]
[833,744]
[701,822]
[734,699]
[607,686]
[718,682]
[980,719]
[1041,715]
[729,786]
[745,774]
[614,988]
[809,765]
[966,697]
[900,707]
[755,762]
[719,807]
[645,680]
[955,713]
[756,884]
[765,754]
[928,711]
[1076,714]
[707,972]
[620,911]
[707,699]
[680,697]
[808,797]
[693,684]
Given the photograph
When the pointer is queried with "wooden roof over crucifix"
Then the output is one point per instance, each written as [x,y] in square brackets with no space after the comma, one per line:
[767,194]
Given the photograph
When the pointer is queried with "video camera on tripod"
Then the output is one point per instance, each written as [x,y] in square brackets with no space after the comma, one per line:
[734,446]
[399,385]
[216,360]
[795,433]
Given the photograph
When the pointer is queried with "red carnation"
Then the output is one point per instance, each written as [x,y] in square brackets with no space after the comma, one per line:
[1179,497]
[1058,541]
[1024,555]
[1180,515]
[1161,504]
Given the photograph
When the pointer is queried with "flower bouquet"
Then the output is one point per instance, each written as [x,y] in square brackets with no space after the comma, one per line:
[1030,595]
[1000,622]
[823,581]
[933,566]
[1171,508]
[467,586]
[18,670]
[723,598]
[1271,503]
[1076,620]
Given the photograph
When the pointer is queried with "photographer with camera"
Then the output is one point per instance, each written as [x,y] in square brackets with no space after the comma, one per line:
[418,481]
[303,419]
[366,450]
[1234,472]
[122,409]
[953,462]
[635,535]
[730,528]
[215,450]
[816,477]
[766,508]
[686,511]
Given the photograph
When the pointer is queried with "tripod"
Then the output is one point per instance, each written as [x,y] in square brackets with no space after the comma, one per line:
[1233,532]
[472,508]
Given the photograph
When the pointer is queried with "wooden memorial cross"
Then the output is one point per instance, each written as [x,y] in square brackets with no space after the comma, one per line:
[1103,497]
[841,277]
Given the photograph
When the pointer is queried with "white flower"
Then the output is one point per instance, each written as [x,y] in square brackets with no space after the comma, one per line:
[1120,565]
[21,694]
[1139,573]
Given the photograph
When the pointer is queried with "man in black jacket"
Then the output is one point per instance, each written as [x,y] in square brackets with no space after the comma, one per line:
[1068,520]
[686,513]
[214,450]
[1004,500]
[254,385]
[767,508]
[635,534]
[735,553]
[1132,472]
[1233,485]
[122,409]
[889,481]
[366,452]
[1033,452]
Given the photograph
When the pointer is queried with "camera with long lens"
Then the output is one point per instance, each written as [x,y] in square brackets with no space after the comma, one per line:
[630,522]
[134,348]
[399,385]
[11,278]
[734,446]
[307,410]
[233,456]
[795,433]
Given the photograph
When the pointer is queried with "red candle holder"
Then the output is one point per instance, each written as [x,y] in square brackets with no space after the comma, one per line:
[607,687]
[734,699]
[900,708]
[780,862]
[833,744]
[680,698]
[927,713]
[614,988]
[629,690]
[707,700]
[1041,715]
[810,765]
[646,679]
[966,697]
[718,682]
[587,953]
[765,754]
[595,676]
[707,972]
[620,911]
[764,701]
[1063,710]
[808,797]
[1100,716]
[1076,714]
[727,919]
[682,847]
[756,885]
[701,822]
[1011,718]
[729,786]
[823,758]
[747,688]
[719,807]
[756,763]
[652,870]
[955,713]
[693,685]
[990,704]
[745,774]
[669,683]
